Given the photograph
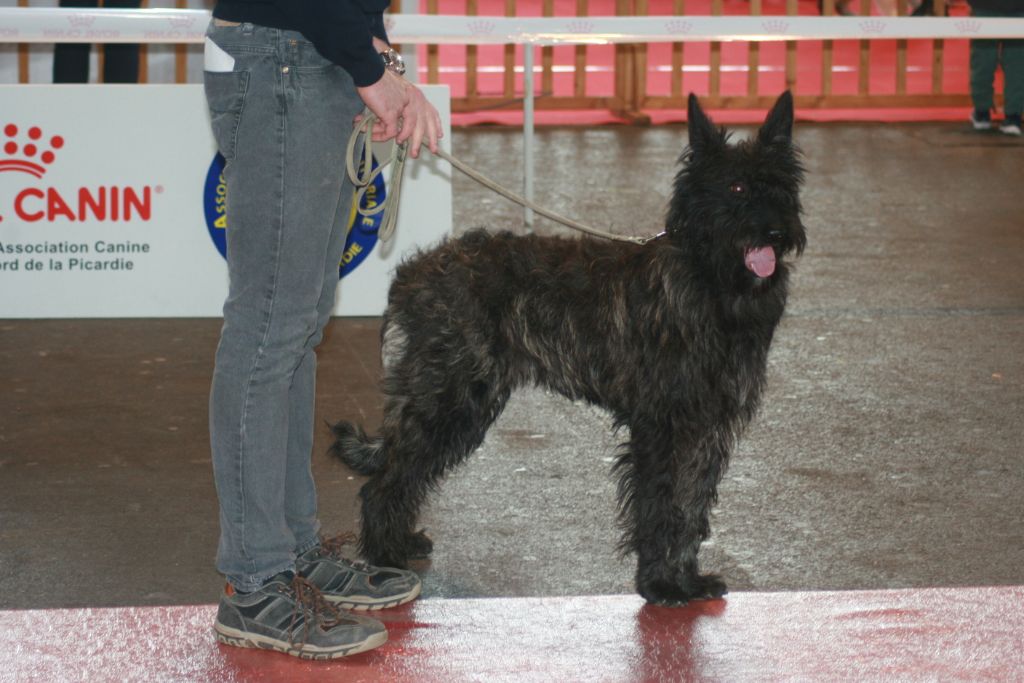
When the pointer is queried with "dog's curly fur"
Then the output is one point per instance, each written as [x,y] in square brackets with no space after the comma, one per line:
[671,337]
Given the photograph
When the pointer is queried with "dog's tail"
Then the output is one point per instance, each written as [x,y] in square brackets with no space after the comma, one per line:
[357,450]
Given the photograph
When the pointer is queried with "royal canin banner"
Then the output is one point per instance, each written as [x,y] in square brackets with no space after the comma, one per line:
[112,205]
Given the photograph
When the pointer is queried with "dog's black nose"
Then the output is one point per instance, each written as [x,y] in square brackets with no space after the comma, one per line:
[776,236]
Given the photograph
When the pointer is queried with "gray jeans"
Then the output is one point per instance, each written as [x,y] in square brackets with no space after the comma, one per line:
[281,117]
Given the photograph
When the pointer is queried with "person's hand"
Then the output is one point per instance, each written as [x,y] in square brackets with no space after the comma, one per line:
[402,113]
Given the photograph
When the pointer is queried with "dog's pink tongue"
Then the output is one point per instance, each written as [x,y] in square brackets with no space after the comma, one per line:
[761,261]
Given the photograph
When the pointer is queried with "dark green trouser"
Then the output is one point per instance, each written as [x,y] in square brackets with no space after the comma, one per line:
[985,55]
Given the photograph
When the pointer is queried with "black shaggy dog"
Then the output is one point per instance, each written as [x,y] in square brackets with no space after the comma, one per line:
[671,337]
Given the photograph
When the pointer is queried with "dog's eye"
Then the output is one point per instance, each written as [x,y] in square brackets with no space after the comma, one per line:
[738,188]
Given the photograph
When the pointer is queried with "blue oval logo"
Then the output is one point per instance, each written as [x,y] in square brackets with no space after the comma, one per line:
[215,207]
[362,233]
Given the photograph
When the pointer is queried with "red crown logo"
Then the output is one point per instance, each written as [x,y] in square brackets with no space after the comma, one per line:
[678,26]
[28,154]
[481,27]
[775,26]
[580,26]
[81,19]
[872,26]
[968,26]
[181,22]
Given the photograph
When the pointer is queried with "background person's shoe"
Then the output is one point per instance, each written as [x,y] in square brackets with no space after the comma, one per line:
[1010,125]
[354,584]
[288,614]
[981,119]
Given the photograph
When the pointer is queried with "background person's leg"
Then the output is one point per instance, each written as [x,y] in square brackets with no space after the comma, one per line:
[71,60]
[984,57]
[121,60]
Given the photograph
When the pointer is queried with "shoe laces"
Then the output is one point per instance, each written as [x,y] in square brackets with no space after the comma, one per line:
[332,548]
[314,609]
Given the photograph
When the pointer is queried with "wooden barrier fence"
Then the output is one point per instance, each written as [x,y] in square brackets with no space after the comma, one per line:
[881,80]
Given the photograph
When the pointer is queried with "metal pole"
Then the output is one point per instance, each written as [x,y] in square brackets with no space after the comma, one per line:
[528,132]
[409,52]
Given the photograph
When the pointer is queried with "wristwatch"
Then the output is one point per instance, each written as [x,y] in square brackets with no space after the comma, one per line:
[393,62]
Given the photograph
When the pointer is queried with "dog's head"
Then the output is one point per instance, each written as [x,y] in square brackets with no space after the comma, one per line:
[735,208]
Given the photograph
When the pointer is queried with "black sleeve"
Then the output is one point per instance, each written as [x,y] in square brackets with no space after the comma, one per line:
[342,31]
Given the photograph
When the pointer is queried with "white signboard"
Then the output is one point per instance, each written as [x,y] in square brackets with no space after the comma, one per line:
[111,206]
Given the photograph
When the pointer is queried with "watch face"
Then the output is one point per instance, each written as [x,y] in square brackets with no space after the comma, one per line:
[393,61]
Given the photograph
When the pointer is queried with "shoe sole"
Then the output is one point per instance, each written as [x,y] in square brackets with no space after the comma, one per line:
[236,638]
[363,603]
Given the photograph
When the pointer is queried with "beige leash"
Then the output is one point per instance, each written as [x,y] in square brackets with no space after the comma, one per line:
[365,175]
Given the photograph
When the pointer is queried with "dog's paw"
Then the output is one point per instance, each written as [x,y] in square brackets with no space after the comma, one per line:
[419,545]
[675,594]
[708,587]
[414,546]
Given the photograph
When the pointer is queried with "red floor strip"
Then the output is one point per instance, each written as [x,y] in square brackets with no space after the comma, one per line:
[940,634]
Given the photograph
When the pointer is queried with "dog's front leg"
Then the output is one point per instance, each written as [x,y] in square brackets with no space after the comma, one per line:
[666,492]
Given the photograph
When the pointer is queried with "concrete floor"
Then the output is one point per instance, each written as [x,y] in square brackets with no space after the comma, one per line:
[888,452]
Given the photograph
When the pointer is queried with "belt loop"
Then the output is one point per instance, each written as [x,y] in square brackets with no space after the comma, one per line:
[248,28]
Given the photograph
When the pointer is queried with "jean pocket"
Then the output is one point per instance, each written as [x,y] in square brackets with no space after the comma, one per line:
[306,59]
[225,97]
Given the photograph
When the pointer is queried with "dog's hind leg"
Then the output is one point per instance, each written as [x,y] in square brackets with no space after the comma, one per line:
[423,438]
[665,496]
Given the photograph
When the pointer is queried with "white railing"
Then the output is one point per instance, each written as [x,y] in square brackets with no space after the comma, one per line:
[52,25]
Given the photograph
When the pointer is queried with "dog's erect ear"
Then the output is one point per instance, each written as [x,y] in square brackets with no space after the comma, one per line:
[702,132]
[778,126]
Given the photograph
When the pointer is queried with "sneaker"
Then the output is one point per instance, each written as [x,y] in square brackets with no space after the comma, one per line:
[353,584]
[1011,125]
[981,119]
[289,615]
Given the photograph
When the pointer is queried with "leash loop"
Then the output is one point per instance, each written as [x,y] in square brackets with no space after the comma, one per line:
[365,175]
